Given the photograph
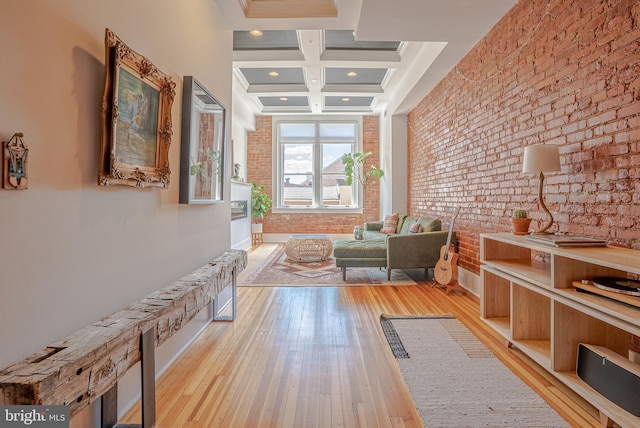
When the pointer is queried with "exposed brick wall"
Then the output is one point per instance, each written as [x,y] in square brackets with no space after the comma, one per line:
[564,72]
[260,170]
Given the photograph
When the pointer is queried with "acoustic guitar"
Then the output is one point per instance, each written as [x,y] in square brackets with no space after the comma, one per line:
[446,270]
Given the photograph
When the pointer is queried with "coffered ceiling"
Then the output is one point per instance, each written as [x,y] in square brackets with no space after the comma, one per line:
[372,56]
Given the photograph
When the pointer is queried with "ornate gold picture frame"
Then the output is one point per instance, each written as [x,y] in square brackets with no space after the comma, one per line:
[136,119]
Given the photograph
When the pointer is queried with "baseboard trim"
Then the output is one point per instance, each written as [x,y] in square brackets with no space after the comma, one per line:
[243,245]
[469,281]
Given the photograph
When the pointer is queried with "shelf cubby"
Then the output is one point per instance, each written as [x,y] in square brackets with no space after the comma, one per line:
[529,305]
[535,337]
[573,327]
[570,270]
[495,295]
[495,306]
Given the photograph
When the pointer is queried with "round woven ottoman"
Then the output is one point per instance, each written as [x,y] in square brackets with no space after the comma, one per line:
[308,248]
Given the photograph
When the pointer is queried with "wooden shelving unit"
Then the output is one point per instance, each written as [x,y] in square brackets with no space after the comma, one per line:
[529,298]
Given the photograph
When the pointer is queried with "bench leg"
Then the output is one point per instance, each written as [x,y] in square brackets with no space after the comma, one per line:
[388,274]
[344,273]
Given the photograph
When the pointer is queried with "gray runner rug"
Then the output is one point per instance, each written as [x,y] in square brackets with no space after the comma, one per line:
[457,382]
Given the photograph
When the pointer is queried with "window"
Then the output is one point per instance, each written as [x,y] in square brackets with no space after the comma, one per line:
[310,173]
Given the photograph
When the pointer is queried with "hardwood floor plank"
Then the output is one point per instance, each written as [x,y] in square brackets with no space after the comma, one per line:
[317,357]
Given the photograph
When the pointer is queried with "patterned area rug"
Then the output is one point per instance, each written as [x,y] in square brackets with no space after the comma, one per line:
[275,268]
[456,381]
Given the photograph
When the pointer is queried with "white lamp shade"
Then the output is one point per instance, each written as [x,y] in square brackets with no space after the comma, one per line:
[541,157]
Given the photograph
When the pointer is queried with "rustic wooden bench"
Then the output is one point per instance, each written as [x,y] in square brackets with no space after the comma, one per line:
[87,364]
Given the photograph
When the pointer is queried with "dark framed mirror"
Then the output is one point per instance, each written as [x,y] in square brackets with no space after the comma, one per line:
[202,145]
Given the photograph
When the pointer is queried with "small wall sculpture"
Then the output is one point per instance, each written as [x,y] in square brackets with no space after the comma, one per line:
[14,155]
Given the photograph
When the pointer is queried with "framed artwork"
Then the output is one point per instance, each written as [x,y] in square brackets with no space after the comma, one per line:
[202,145]
[136,119]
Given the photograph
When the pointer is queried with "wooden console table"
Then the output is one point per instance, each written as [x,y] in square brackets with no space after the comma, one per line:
[87,365]
[528,297]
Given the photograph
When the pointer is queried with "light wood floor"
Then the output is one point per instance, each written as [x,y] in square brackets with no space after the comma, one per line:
[316,357]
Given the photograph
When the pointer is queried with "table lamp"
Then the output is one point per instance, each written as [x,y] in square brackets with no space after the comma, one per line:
[539,158]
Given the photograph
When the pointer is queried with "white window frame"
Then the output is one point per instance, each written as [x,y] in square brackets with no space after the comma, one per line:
[278,167]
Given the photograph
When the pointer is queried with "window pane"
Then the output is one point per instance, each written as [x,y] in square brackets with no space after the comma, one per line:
[335,190]
[297,131]
[297,190]
[332,156]
[338,130]
[297,167]
[297,159]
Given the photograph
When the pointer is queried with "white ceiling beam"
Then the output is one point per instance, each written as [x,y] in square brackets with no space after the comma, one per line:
[311,44]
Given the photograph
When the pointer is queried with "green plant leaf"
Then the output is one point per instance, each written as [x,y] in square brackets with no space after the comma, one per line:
[353,163]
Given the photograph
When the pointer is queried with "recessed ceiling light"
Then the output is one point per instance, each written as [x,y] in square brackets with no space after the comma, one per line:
[345,99]
[314,80]
[283,98]
[274,74]
[352,74]
[256,33]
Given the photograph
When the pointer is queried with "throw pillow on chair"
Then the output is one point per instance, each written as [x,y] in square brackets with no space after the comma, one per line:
[415,228]
[390,223]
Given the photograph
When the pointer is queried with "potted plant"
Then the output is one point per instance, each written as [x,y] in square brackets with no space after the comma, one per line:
[520,220]
[260,205]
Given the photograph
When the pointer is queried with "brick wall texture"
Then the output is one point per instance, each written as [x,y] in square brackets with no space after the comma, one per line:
[260,167]
[563,72]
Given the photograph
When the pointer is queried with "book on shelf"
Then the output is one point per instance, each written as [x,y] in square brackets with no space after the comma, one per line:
[566,241]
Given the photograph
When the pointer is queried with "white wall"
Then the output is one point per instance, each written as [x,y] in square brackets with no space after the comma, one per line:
[72,251]
[400,200]
[243,122]
[393,160]
[239,137]
[241,227]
